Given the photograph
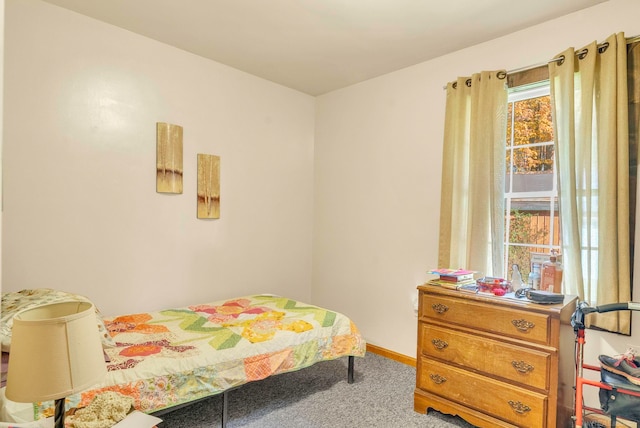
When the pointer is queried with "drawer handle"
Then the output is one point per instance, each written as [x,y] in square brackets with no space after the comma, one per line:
[523,325]
[437,379]
[439,308]
[519,408]
[522,366]
[439,344]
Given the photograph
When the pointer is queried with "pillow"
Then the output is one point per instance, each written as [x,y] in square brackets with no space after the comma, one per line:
[16,302]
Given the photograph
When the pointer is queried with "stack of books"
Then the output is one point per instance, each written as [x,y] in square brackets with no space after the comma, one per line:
[456,279]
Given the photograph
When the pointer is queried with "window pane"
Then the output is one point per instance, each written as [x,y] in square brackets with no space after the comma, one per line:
[532,121]
[535,182]
[532,159]
[534,221]
[509,117]
[521,255]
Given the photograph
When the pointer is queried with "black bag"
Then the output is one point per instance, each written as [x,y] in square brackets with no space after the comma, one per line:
[546,297]
[616,403]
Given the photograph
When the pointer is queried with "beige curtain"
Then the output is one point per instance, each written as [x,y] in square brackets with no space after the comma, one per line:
[590,114]
[473,171]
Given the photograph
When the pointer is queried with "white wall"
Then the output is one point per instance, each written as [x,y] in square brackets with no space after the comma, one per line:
[378,171]
[81,213]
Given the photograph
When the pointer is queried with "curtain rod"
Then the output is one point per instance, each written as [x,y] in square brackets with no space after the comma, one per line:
[581,53]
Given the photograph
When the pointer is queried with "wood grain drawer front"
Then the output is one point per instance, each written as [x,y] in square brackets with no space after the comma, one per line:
[529,326]
[515,405]
[515,363]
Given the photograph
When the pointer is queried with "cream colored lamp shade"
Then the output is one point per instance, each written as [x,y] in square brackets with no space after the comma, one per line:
[55,351]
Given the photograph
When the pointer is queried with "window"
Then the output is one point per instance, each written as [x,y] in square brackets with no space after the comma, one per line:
[532,223]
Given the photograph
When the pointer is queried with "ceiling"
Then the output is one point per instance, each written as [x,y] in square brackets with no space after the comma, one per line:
[316,46]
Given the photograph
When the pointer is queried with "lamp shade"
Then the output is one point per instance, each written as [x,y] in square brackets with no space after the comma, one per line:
[55,351]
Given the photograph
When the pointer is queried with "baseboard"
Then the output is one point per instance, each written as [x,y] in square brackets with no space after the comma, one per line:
[401,358]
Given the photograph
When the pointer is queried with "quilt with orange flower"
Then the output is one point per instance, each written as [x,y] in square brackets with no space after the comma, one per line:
[166,358]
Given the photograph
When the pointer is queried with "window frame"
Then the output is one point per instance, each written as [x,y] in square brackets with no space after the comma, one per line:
[521,93]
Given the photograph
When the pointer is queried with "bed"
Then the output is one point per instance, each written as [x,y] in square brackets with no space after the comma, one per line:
[169,358]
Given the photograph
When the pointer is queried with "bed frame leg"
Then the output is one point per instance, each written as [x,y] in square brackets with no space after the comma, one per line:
[350,370]
[225,402]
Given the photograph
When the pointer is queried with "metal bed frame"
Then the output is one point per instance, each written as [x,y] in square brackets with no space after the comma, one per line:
[225,396]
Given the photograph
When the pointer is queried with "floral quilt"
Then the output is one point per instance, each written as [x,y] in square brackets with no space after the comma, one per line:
[174,356]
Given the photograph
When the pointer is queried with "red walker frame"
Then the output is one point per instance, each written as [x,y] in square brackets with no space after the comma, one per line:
[577,321]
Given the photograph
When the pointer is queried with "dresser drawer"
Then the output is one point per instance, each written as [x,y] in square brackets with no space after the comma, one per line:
[515,405]
[525,325]
[527,366]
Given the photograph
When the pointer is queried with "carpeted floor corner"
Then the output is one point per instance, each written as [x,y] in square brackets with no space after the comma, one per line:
[320,397]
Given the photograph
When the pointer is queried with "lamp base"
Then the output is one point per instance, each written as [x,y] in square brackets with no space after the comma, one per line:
[59,413]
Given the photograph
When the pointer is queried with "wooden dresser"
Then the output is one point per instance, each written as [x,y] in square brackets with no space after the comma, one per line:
[495,361]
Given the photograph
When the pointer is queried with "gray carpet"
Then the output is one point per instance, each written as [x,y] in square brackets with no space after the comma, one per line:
[319,397]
